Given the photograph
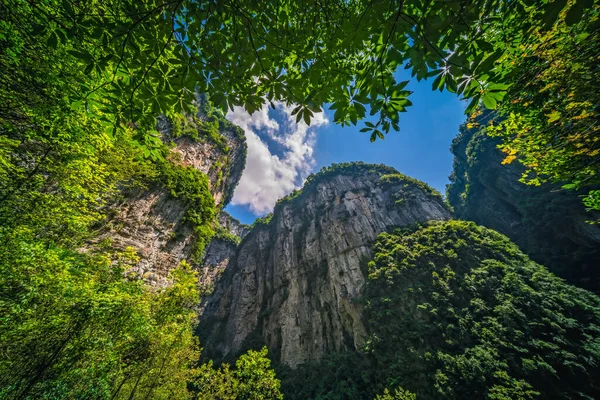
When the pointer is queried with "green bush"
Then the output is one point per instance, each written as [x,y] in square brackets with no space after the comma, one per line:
[192,186]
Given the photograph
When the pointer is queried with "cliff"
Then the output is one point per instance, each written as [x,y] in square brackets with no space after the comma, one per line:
[296,279]
[220,250]
[456,310]
[548,223]
[155,220]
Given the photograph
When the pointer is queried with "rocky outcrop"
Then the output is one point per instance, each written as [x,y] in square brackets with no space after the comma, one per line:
[153,221]
[548,223]
[296,279]
[232,225]
[220,250]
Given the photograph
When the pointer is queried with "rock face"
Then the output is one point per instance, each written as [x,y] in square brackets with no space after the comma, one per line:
[295,281]
[232,225]
[152,221]
[546,222]
[220,250]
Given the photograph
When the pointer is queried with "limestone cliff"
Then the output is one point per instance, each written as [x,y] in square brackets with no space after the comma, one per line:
[546,222]
[219,251]
[152,220]
[296,279]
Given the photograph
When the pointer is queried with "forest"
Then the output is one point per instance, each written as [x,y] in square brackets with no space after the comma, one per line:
[113,113]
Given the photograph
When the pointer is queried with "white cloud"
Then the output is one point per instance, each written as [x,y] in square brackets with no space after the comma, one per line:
[268,176]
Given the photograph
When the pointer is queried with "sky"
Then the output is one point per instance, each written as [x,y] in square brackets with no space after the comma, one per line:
[281,153]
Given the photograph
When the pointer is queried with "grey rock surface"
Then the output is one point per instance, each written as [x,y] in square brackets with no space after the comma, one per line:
[219,251]
[152,221]
[294,283]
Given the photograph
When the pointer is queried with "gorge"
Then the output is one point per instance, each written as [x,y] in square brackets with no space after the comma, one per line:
[301,281]
[124,274]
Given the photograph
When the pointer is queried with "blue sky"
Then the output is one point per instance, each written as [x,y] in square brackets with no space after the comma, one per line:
[281,153]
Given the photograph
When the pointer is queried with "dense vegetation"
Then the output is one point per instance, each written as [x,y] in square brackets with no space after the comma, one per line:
[147,57]
[192,187]
[77,324]
[252,379]
[339,376]
[548,223]
[551,124]
[74,322]
[210,125]
[458,311]
[81,86]
[73,327]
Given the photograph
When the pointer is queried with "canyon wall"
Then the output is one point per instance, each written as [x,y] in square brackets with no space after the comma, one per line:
[153,222]
[296,279]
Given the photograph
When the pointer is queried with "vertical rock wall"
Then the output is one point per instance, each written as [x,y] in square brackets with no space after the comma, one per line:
[153,222]
[295,282]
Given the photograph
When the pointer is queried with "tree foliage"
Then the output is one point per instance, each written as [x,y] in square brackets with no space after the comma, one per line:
[73,326]
[252,379]
[81,86]
[146,58]
[338,376]
[548,223]
[398,394]
[191,186]
[76,326]
[456,310]
[551,123]
[74,322]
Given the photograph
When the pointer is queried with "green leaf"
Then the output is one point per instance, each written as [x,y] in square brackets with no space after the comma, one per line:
[485,46]
[401,85]
[52,41]
[307,117]
[68,8]
[38,29]
[497,87]
[489,101]
[473,104]
[339,115]
[488,64]
[553,116]
[360,109]
[85,56]
[89,68]
[76,105]
[437,82]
